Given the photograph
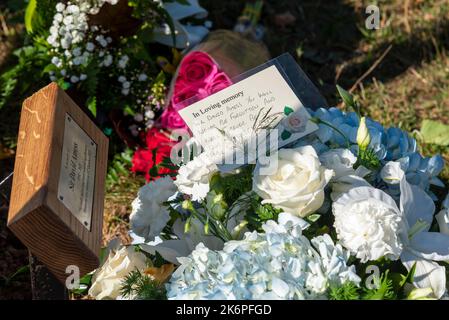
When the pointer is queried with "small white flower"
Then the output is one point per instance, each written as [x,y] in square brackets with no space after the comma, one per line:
[125,92]
[193,178]
[73,9]
[142,77]
[68,20]
[138,117]
[121,79]
[107,60]
[62,31]
[149,114]
[63,72]
[54,30]
[77,51]
[74,79]
[126,85]
[51,40]
[65,43]
[56,61]
[78,60]
[60,7]
[90,46]
[123,61]
[149,216]
[83,77]
[58,17]
[52,78]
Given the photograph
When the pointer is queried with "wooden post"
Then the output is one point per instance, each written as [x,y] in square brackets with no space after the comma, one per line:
[56,206]
[44,285]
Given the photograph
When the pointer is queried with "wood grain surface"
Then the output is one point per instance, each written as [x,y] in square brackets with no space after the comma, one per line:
[37,217]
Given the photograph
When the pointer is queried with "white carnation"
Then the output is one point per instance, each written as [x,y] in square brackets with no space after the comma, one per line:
[193,177]
[149,216]
[368,223]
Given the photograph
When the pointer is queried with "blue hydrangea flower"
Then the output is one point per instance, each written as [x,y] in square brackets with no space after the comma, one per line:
[392,144]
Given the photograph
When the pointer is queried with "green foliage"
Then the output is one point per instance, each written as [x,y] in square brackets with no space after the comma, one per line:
[383,289]
[435,132]
[39,15]
[260,213]
[85,283]
[368,159]
[234,185]
[26,73]
[348,291]
[119,166]
[165,163]
[30,16]
[347,98]
[141,286]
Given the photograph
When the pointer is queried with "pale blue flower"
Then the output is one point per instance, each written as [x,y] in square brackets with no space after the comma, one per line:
[392,144]
[278,264]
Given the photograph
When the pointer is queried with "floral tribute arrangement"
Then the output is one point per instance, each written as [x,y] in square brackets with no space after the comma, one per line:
[349,213]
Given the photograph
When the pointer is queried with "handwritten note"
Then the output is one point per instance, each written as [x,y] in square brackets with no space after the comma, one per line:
[255,103]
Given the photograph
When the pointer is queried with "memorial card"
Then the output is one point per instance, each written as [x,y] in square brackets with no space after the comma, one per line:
[259,106]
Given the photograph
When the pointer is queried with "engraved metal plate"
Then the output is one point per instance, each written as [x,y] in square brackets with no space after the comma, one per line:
[77,176]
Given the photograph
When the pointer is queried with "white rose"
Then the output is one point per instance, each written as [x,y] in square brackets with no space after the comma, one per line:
[368,223]
[107,280]
[193,177]
[297,185]
[149,216]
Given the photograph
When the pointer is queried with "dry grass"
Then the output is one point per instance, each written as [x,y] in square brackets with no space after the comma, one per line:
[118,208]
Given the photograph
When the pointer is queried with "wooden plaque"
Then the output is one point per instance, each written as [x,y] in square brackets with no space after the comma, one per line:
[57,195]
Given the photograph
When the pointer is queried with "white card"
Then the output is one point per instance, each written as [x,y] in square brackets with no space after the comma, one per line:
[241,108]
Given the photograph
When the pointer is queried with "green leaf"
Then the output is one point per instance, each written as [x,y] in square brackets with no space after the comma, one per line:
[435,132]
[154,172]
[313,217]
[410,276]
[30,15]
[288,110]
[285,135]
[346,96]
[92,105]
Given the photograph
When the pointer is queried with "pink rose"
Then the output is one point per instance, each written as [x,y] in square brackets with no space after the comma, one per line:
[217,83]
[185,94]
[196,67]
[171,119]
